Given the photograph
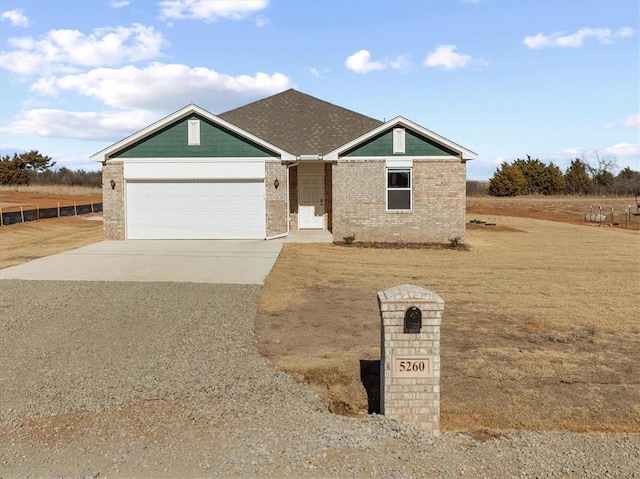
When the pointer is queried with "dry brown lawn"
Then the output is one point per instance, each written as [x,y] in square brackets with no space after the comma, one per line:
[35,239]
[26,241]
[46,196]
[541,327]
[568,209]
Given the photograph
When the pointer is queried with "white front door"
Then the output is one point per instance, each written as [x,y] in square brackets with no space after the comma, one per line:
[311,202]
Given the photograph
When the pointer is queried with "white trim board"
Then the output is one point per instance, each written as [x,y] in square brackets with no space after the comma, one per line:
[186,170]
[465,154]
[103,155]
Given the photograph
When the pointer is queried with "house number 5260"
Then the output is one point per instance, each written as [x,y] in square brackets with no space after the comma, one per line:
[406,366]
[412,367]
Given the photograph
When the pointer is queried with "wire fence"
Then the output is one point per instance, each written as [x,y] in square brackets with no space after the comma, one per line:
[24,215]
[628,217]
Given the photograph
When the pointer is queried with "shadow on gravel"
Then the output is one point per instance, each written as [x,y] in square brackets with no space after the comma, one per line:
[370,377]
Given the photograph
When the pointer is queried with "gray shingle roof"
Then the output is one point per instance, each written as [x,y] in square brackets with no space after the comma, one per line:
[299,123]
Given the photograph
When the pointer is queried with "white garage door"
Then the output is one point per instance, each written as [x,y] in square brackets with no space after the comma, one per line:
[195,210]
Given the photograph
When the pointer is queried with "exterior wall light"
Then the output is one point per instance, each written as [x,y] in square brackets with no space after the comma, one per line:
[276,183]
[113,184]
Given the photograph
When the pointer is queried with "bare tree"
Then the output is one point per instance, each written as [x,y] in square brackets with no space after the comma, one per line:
[601,171]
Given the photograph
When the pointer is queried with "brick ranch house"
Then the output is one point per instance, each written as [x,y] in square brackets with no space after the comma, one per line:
[287,162]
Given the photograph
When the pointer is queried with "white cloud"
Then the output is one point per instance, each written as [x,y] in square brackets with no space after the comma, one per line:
[261,21]
[501,159]
[630,121]
[160,86]
[119,3]
[360,62]
[80,125]
[209,10]
[625,32]
[319,73]
[9,149]
[400,63]
[66,50]
[624,150]
[577,39]
[446,56]
[16,17]
[563,158]
[569,154]
[625,154]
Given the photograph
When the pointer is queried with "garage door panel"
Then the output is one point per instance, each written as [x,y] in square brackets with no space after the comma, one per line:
[195,210]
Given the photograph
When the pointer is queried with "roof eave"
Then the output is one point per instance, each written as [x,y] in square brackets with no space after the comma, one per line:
[103,155]
[465,153]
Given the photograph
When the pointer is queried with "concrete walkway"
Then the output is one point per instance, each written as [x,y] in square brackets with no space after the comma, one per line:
[310,236]
[197,261]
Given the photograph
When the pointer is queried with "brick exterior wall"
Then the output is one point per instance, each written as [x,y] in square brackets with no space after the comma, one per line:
[355,201]
[410,397]
[276,199]
[359,202]
[113,201]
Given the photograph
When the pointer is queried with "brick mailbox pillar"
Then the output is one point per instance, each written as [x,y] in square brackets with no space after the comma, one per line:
[410,356]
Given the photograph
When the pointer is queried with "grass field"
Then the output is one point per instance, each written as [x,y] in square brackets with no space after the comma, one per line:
[541,328]
[46,196]
[26,241]
[567,209]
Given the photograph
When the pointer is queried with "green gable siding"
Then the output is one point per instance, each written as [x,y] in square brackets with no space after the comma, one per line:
[215,141]
[415,145]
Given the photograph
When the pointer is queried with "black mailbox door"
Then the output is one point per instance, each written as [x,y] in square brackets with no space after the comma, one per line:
[412,320]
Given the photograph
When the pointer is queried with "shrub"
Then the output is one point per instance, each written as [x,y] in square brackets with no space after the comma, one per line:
[455,242]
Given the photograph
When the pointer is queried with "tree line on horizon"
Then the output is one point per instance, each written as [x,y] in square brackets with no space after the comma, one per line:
[34,168]
[531,176]
[527,176]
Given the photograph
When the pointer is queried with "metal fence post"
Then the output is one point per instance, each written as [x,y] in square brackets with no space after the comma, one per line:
[611,215]
[600,214]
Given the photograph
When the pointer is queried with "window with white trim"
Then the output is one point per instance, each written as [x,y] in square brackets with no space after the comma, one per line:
[399,186]
[193,132]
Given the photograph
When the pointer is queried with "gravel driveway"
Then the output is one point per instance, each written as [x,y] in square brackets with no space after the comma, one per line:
[115,379]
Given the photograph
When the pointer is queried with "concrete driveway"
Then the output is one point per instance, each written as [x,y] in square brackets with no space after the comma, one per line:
[197,261]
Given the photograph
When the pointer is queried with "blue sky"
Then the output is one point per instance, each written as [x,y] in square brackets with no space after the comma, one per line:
[552,79]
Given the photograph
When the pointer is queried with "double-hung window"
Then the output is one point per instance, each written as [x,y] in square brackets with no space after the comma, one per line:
[399,185]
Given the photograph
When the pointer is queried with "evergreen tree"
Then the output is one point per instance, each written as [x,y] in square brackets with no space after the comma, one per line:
[577,179]
[534,172]
[508,180]
[36,162]
[13,171]
[554,182]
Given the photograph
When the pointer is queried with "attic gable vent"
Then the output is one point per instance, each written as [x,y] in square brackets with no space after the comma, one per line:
[398,140]
[194,133]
